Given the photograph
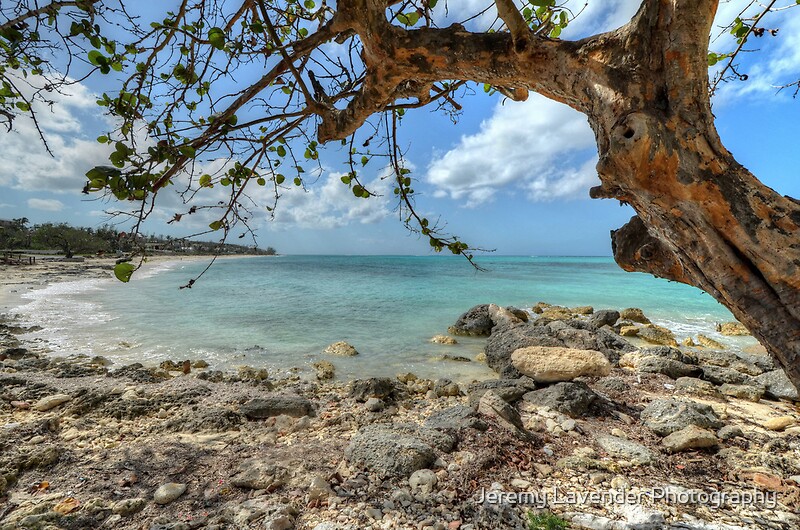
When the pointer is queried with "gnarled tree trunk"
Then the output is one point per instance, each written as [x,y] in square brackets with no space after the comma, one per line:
[703,219]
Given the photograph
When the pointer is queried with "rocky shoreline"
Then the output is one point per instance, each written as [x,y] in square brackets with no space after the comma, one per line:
[584,410]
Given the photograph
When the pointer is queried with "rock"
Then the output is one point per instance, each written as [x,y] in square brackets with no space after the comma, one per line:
[519,313]
[128,507]
[629,331]
[169,492]
[249,373]
[634,314]
[729,432]
[657,335]
[720,375]
[779,423]
[50,402]
[638,517]
[502,317]
[694,386]
[455,358]
[750,393]
[572,334]
[605,317]
[443,339]
[325,370]
[582,310]
[732,329]
[625,449]
[665,416]
[729,360]
[553,364]
[708,342]
[455,418]
[374,405]
[475,322]
[423,481]
[688,341]
[200,363]
[340,348]
[668,367]
[445,387]
[319,489]
[690,437]
[374,387]
[778,385]
[275,405]
[510,390]
[396,449]
[257,474]
[572,399]
[493,406]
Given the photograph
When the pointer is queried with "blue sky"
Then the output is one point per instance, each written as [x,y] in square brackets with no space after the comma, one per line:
[509,176]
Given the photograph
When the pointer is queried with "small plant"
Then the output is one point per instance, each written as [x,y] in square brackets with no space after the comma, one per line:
[546,521]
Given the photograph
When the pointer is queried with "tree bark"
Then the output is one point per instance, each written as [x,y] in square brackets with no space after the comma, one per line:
[702,218]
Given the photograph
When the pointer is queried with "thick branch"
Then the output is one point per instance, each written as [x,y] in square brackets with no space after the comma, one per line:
[509,13]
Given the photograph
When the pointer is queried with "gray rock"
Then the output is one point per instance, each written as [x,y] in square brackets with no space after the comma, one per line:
[571,334]
[455,419]
[374,387]
[605,317]
[720,375]
[423,481]
[50,402]
[668,352]
[128,507]
[257,474]
[572,398]
[665,416]
[445,387]
[694,386]
[750,393]
[668,367]
[625,449]
[690,437]
[778,385]
[394,450]
[275,405]
[638,517]
[728,360]
[475,322]
[495,407]
[510,390]
[374,405]
[341,348]
[169,492]
[729,432]
[498,515]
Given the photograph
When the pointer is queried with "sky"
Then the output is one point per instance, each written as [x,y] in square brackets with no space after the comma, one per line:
[511,177]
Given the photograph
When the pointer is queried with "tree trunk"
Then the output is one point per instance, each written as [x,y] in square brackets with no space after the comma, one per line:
[703,219]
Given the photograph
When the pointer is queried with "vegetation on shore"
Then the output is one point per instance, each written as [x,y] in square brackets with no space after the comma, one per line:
[17,235]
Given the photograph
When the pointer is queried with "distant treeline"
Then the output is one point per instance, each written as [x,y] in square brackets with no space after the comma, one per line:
[69,240]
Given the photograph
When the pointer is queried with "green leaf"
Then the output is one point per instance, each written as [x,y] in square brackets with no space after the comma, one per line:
[261,181]
[24,107]
[409,19]
[358,190]
[102,139]
[281,150]
[187,151]
[364,161]
[279,179]
[124,271]
[97,58]
[205,181]
[309,4]
[216,225]
[216,36]
[298,181]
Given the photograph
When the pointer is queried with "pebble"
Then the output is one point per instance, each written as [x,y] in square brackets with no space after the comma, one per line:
[50,402]
[167,493]
[779,424]
[128,507]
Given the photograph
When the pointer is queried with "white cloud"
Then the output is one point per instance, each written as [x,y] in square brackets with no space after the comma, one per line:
[332,205]
[48,205]
[541,146]
[24,162]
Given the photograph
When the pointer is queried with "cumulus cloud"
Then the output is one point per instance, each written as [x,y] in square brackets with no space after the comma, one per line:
[48,205]
[331,204]
[540,146]
[24,162]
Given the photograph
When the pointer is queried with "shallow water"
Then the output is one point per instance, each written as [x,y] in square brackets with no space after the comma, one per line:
[280,312]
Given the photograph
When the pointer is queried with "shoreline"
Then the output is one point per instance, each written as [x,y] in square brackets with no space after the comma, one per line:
[91,444]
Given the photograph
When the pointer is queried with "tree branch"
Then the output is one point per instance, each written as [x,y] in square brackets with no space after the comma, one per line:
[51,8]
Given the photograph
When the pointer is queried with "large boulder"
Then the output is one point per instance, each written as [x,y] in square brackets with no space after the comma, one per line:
[374,387]
[605,317]
[634,314]
[778,385]
[657,335]
[510,390]
[475,322]
[396,449]
[569,334]
[572,399]
[341,348]
[665,416]
[546,364]
[275,405]
[723,359]
[454,419]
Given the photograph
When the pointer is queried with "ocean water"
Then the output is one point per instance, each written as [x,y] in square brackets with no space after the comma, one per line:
[281,312]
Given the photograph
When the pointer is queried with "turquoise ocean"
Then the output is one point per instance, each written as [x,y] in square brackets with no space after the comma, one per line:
[281,312]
